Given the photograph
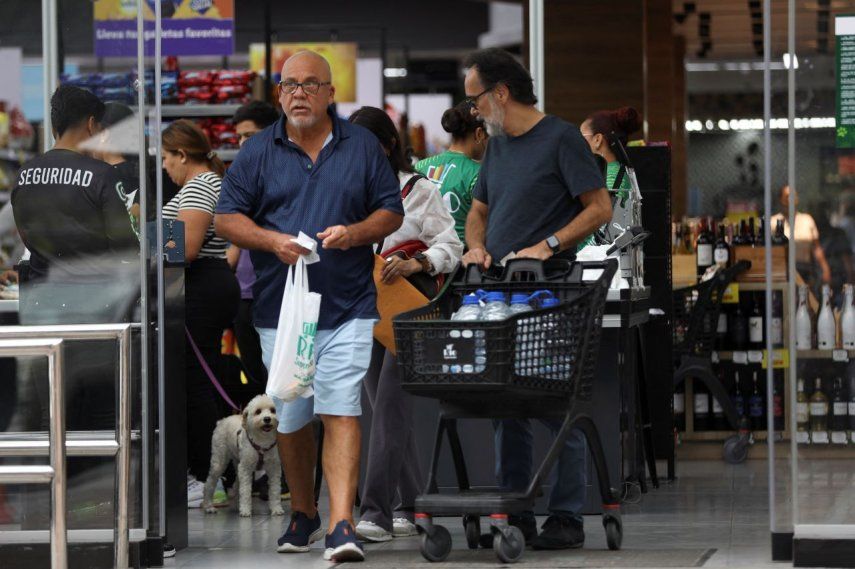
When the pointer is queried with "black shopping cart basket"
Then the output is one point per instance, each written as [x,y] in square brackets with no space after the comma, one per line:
[535,364]
[695,323]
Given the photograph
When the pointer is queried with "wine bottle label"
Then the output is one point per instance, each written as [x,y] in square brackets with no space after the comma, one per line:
[802,437]
[803,332]
[819,409]
[839,437]
[722,323]
[755,329]
[755,407]
[679,403]
[819,437]
[702,403]
[801,412]
[722,256]
[852,408]
[705,255]
[841,409]
[777,330]
[716,406]
[825,342]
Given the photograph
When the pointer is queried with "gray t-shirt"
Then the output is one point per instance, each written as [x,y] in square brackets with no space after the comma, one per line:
[532,183]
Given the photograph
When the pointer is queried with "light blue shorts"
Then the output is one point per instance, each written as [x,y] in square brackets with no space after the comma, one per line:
[343,356]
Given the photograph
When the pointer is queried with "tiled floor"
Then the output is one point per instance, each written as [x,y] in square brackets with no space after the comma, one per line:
[714,515]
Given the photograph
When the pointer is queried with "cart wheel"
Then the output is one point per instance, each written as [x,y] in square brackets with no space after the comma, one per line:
[614,532]
[509,549]
[735,449]
[436,544]
[473,531]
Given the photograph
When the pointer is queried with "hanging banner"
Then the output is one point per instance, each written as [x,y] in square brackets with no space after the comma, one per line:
[844,33]
[188,27]
[341,57]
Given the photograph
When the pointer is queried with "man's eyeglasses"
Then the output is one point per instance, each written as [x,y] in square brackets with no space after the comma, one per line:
[473,100]
[309,87]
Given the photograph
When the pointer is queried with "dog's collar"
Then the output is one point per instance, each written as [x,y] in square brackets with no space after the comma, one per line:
[258,448]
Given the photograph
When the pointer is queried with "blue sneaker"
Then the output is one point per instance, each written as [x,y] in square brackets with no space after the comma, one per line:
[301,533]
[342,544]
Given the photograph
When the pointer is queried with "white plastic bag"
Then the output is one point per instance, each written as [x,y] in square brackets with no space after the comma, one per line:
[292,367]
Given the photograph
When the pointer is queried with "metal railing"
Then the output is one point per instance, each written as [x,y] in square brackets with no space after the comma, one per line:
[55,473]
[80,445]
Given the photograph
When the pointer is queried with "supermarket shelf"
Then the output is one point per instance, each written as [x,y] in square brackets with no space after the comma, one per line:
[198,110]
[711,450]
[16,155]
[711,436]
[227,154]
[761,286]
[822,354]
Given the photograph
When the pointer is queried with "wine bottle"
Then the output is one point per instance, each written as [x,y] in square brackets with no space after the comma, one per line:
[750,237]
[847,319]
[719,421]
[737,397]
[826,329]
[721,253]
[740,236]
[755,407]
[818,415]
[802,414]
[777,323]
[778,402]
[680,407]
[760,241]
[755,324]
[804,322]
[705,244]
[839,414]
[701,407]
[779,238]
[740,328]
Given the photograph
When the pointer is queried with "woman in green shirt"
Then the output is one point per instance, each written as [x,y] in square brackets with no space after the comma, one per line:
[596,129]
[455,171]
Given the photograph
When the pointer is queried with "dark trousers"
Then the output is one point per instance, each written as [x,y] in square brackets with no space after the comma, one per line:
[250,353]
[211,301]
[393,478]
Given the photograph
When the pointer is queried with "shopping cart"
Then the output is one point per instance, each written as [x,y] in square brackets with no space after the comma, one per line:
[535,364]
[695,322]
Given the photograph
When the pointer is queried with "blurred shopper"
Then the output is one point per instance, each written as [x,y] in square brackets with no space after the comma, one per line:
[598,129]
[70,213]
[809,253]
[837,253]
[540,217]
[427,245]
[211,294]
[455,171]
[250,119]
[319,174]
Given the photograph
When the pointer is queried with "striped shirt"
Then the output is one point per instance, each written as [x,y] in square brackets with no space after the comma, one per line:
[201,194]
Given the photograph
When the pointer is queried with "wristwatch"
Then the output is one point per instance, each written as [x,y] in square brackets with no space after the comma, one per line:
[554,244]
[427,266]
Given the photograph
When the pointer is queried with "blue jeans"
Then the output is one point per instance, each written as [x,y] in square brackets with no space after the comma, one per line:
[569,474]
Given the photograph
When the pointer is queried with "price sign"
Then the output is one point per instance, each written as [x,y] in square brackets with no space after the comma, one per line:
[840,356]
[755,356]
[780,359]
[714,357]
[740,358]
[731,294]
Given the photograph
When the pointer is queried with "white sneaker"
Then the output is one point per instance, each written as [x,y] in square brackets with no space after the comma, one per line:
[195,492]
[402,527]
[369,531]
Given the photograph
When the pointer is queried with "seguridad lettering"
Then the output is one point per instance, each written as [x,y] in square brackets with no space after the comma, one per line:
[65,176]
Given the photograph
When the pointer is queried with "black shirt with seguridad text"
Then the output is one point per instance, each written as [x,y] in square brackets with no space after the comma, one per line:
[70,211]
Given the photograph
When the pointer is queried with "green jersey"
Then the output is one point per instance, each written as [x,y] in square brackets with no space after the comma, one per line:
[455,174]
[612,169]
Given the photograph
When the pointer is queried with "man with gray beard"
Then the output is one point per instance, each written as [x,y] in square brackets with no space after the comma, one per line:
[538,195]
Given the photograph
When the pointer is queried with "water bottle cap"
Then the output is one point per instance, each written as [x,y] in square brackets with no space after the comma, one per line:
[550,302]
[519,298]
[495,297]
[470,300]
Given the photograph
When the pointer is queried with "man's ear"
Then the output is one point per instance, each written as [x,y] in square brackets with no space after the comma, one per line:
[92,126]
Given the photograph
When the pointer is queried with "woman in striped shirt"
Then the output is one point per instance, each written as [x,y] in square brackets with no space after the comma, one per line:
[212,293]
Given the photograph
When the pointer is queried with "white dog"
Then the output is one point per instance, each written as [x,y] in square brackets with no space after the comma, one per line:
[249,440]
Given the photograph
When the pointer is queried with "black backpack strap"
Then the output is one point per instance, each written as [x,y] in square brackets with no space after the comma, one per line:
[408,187]
[619,177]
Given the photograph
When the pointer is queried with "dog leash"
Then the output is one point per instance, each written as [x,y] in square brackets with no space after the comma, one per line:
[208,371]
[258,448]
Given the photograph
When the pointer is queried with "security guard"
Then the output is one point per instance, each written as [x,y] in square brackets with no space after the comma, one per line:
[70,211]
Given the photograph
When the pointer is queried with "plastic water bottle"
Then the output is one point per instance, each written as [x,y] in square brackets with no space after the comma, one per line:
[520,304]
[470,310]
[556,361]
[496,307]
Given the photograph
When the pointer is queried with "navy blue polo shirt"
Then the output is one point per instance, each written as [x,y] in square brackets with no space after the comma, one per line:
[274,183]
